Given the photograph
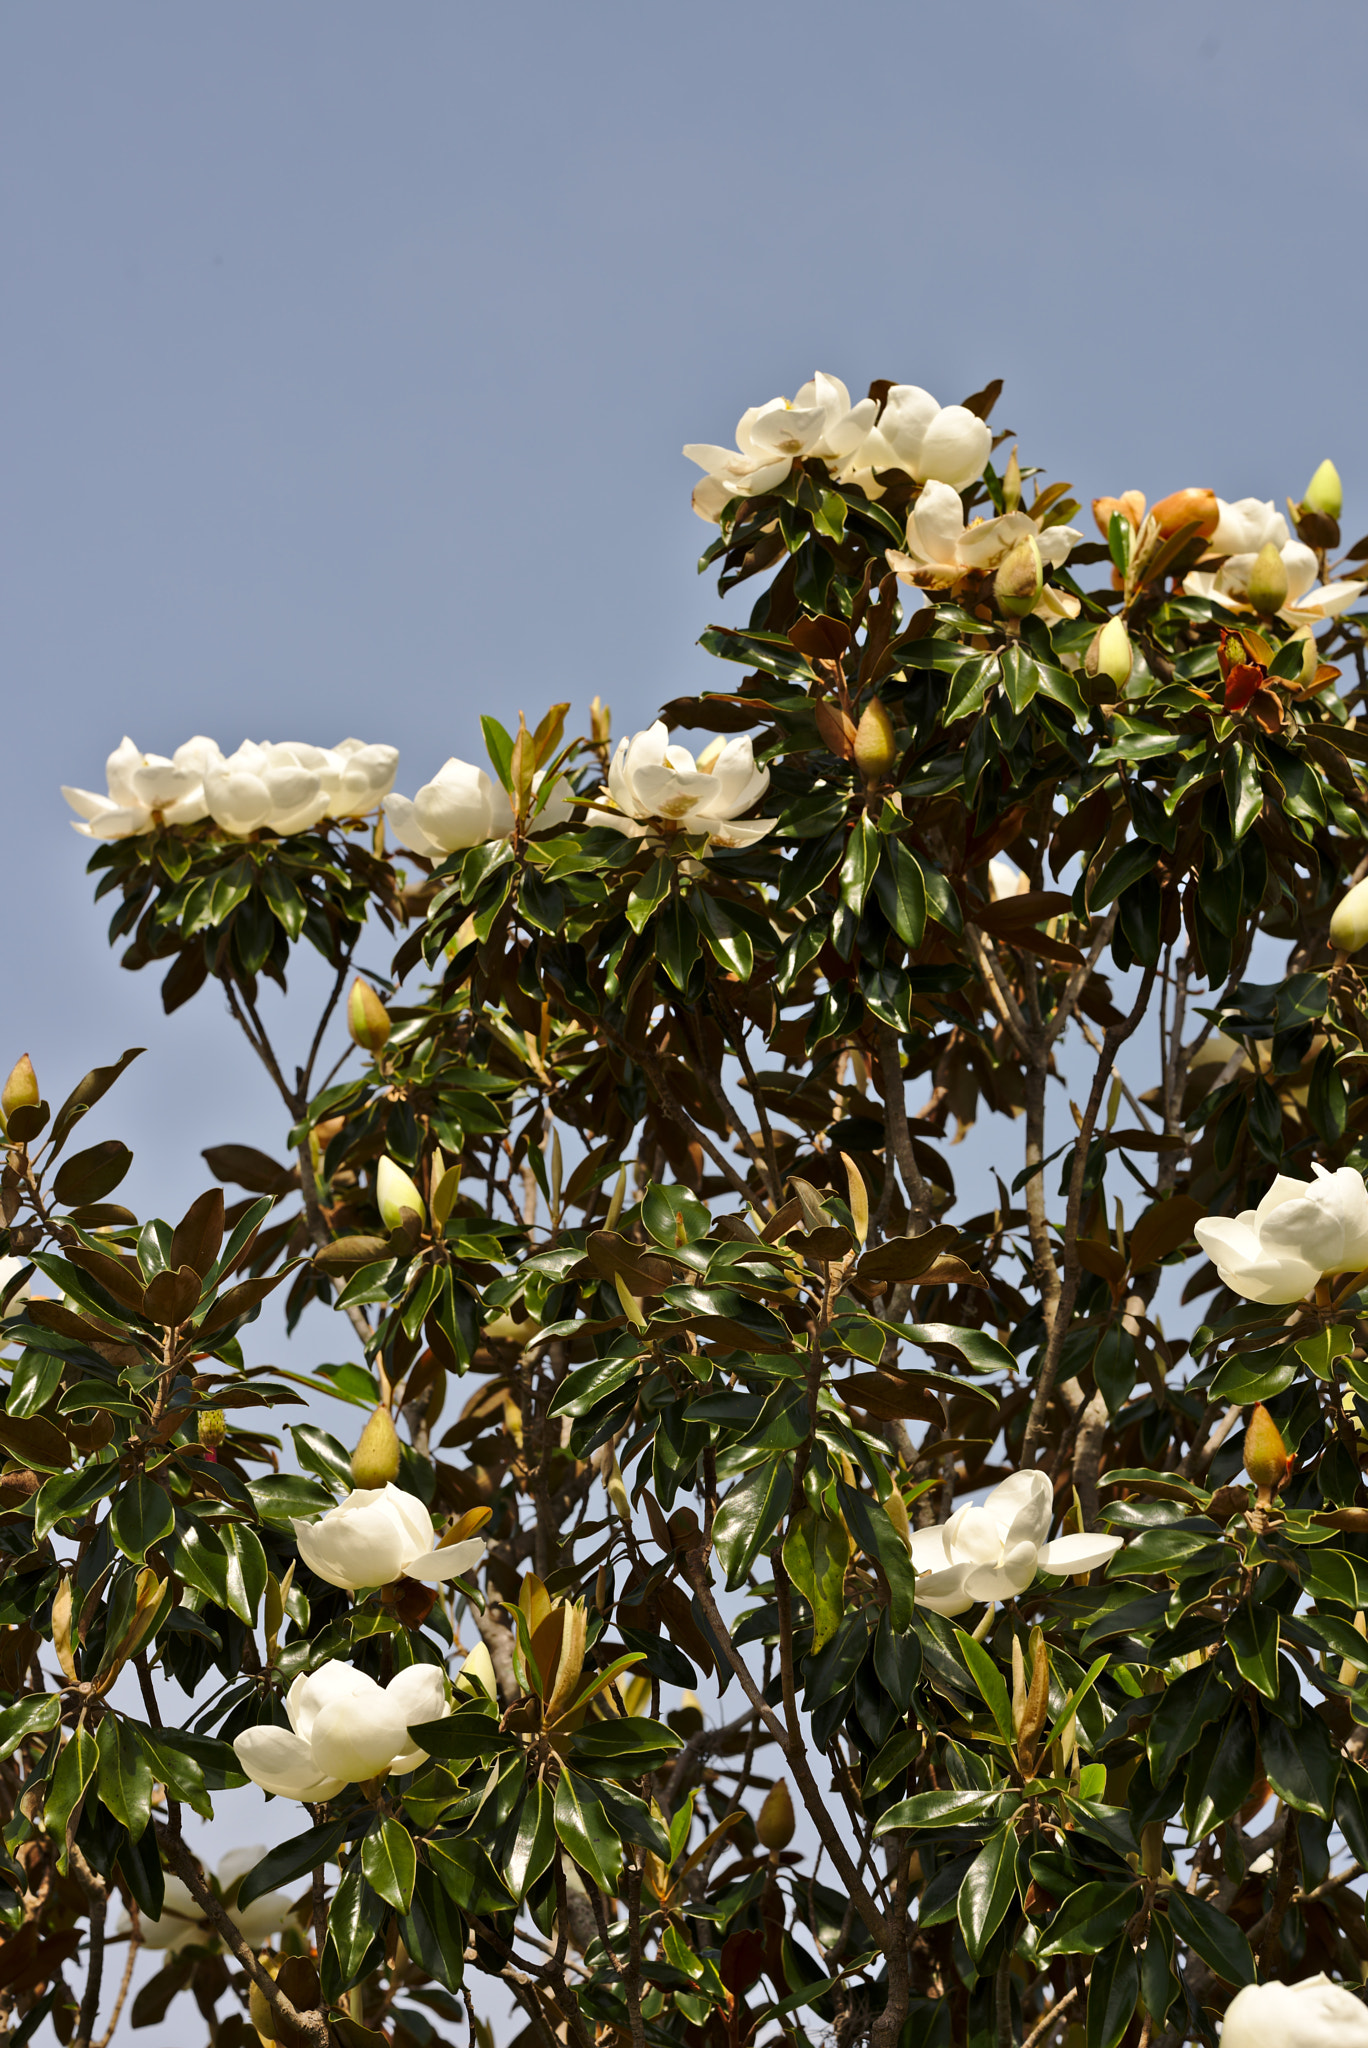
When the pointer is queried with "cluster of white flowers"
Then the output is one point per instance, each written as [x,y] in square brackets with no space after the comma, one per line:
[286,786]
[910,431]
[942,550]
[462,807]
[1242,532]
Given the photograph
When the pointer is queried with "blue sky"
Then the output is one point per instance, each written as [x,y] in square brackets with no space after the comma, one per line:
[348,351]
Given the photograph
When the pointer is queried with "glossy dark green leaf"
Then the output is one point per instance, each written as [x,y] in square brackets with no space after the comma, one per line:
[988,1889]
[76,1764]
[125,1774]
[989,1680]
[1186,1706]
[901,891]
[750,1515]
[583,1829]
[534,1842]
[1091,1917]
[293,1860]
[433,1931]
[1214,1935]
[1113,1989]
[859,863]
[1221,1772]
[466,1874]
[873,1529]
[390,1862]
[355,1918]
[1302,1764]
[36,1714]
[946,1809]
[1252,1633]
[141,1516]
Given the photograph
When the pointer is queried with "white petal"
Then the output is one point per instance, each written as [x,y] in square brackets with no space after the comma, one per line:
[282,1763]
[1082,1553]
[403,820]
[943,1592]
[455,1561]
[955,447]
[355,1546]
[907,413]
[1023,1505]
[312,1691]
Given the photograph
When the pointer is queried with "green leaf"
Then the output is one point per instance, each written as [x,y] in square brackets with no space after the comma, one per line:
[731,947]
[1185,1707]
[1214,1936]
[750,1515]
[293,1859]
[355,1917]
[1020,677]
[1252,1633]
[1302,1764]
[816,1553]
[1221,1773]
[1136,858]
[433,1931]
[1245,1382]
[980,1350]
[466,1874]
[500,748]
[901,891]
[859,864]
[390,1863]
[141,1516]
[1243,790]
[1335,1575]
[534,1842]
[989,1681]
[1113,1990]
[71,1493]
[36,1714]
[649,893]
[125,1774]
[988,1890]
[76,1765]
[582,1828]
[1089,1918]
[947,1809]
[175,1768]
[891,1761]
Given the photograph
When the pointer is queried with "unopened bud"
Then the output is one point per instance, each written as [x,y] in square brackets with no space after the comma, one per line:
[876,745]
[1267,587]
[1110,654]
[367,1018]
[375,1461]
[212,1427]
[1265,1454]
[21,1091]
[1020,578]
[1325,493]
[395,1192]
[1011,483]
[600,722]
[774,1824]
[1184,508]
[1130,505]
[1349,925]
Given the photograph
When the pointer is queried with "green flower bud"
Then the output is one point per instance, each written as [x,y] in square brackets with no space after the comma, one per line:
[375,1461]
[21,1091]
[395,1192]
[1325,493]
[774,1824]
[367,1018]
[1265,1454]
[876,746]
[1267,589]
[1110,654]
[1349,925]
[1020,578]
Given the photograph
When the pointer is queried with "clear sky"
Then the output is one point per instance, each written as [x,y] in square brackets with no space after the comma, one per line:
[348,351]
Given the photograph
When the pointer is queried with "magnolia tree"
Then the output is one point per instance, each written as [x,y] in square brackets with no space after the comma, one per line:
[1035,1628]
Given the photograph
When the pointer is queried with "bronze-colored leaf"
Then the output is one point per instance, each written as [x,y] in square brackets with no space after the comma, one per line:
[120,1278]
[837,730]
[820,639]
[905,1258]
[238,1300]
[890,1398]
[91,1175]
[247,1168]
[830,1241]
[346,1252]
[615,1257]
[1102,1259]
[199,1233]
[34,1440]
[27,1122]
[951,1273]
[1162,1229]
[173,1296]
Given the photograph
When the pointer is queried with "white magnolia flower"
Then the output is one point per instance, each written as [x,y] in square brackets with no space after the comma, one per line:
[361,779]
[462,807]
[655,785]
[146,788]
[344,1729]
[181,1922]
[942,550]
[1300,1231]
[375,1535]
[934,443]
[994,1552]
[1244,528]
[1312,2014]
[912,432]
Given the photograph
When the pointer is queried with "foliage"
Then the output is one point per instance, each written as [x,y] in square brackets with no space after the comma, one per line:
[725,1355]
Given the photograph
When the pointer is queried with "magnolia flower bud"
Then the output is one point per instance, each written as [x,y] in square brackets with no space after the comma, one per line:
[1325,493]
[375,1461]
[774,1824]
[876,746]
[1267,586]
[212,1428]
[1020,578]
[1265,1454]
[394,1193]
[1011,483]
[1110,654]
[1182,508]
[1349,925]
[367,1018]
[21,1091]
